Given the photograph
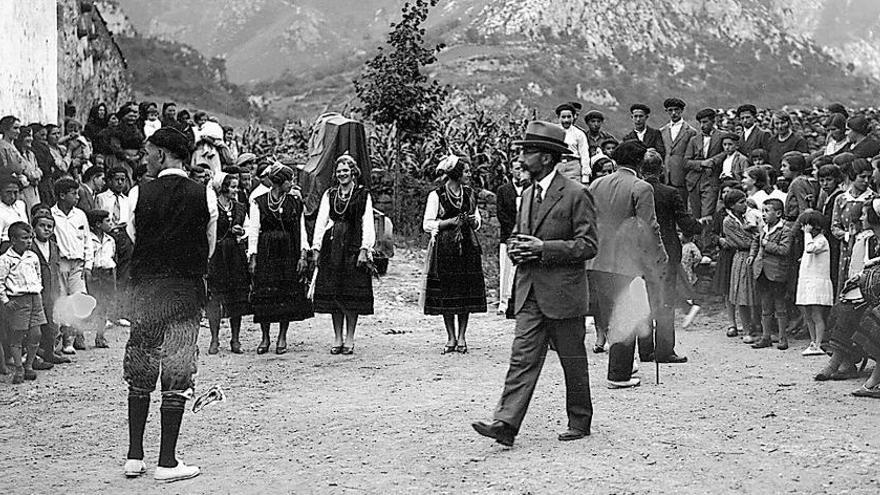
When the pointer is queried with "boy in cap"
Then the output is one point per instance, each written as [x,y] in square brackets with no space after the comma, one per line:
[595,135]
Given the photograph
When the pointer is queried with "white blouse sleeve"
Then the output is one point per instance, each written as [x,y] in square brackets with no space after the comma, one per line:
[321,223]
[430,224]
[303,234]
[253,229]
[478,217]
[368,227]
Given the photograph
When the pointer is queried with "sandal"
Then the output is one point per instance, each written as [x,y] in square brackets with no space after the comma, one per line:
[347,350]
[280,349]
[762,344]
[782,346]
[844,375]
[263,348]
[732,331]
[336,349]
[863,391]
[461,349]
[598,349]
[449,349]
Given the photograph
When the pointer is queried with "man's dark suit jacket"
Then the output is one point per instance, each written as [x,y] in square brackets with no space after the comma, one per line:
[868,148]
[653,139]
[694,157]
[505,205]
[758,139]
[566,222]
[671,212]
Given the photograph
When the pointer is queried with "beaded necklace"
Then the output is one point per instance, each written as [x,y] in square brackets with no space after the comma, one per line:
[276,205]
[453,197]
[343,199]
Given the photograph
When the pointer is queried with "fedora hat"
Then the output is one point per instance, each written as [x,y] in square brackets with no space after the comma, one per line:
[546,136]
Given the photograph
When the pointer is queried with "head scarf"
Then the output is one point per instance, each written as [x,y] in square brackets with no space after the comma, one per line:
[217,181]
[280,173]
[447,163]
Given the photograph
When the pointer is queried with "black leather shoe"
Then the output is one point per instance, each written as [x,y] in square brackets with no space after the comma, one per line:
[673,359]
[498,430]
[572,434]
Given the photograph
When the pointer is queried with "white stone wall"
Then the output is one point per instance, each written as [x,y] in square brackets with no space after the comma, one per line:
[29,60]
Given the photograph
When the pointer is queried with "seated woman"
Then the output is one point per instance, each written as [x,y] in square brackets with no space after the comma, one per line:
[855,325]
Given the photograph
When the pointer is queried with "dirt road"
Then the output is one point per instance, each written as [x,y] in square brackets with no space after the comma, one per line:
[395,418]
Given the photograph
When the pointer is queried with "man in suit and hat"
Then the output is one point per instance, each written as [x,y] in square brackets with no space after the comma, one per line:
[676,135]
[752,136]
[576,162]
[630,246]
[649,136]
[595,135]
[555,235]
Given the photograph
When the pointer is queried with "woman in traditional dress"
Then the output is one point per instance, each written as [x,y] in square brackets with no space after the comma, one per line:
[343,245]
[228,278]
[855,326]
[277,248]
[29,193]
[847,213]
[455,285]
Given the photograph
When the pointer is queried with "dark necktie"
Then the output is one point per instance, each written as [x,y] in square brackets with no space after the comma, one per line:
[536,205]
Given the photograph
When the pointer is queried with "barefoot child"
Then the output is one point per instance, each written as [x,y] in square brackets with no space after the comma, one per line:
[814,288]
[102,282]
[20,273]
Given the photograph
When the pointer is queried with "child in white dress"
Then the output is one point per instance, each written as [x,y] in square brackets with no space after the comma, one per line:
[814,289]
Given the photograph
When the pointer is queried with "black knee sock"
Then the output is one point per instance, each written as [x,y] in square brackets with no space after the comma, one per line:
[171,419]
[138,409]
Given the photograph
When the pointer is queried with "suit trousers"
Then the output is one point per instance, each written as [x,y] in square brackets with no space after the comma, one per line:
[609,288]
[506,272]
[703,198]
[662,297]
[533,333]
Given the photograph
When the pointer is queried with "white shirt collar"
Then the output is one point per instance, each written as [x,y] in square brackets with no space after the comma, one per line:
[173,171]
[545,183]
[769,230]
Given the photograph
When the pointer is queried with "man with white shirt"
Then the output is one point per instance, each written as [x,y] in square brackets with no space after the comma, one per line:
[576,164]
[115,201]
[72,234]
[752,136]
[676,135]
[167,295]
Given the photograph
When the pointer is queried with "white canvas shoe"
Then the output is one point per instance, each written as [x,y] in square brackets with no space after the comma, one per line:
[632,382]
[135,468]
[178,473]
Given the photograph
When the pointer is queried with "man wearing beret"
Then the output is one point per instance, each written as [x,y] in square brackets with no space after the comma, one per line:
[630,246]
[649,136]
[676,135]
[555,234]
[167,295]
[752,136]
[857,132]
[703,159]
[575,165]
[595,135]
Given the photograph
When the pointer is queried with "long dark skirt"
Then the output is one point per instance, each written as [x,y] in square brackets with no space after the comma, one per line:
[455,283]
[229,281]
[721,280]
[342,286]
[278,293]
[854,332]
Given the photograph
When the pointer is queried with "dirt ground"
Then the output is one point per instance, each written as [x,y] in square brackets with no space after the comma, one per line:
[395,418]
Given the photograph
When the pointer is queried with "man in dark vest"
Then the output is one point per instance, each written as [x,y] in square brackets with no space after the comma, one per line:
[174,228]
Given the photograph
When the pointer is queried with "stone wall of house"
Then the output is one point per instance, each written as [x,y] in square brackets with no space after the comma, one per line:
[91,67]
[28,60]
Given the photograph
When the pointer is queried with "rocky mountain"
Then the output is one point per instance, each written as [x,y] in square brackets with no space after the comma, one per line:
[536,52]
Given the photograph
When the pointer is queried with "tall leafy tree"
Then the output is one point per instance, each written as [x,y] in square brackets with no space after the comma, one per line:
[393,88]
